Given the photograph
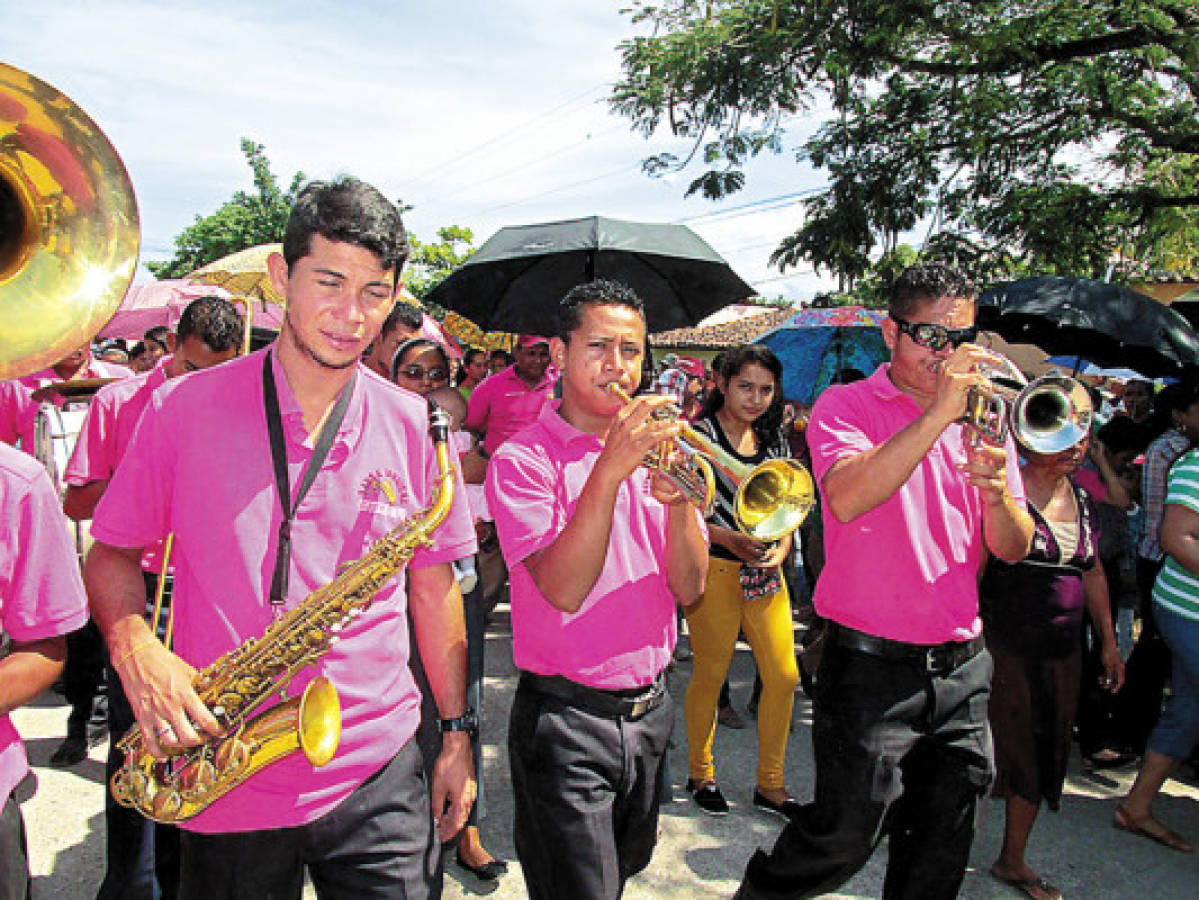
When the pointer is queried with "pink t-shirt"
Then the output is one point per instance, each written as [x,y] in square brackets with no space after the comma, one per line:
[907,569]
[624,633]
[41,593]
[105,434]
[18,409]
[503,404]
[200,465]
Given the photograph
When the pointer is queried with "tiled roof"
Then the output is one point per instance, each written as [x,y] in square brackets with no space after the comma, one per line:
[726,334]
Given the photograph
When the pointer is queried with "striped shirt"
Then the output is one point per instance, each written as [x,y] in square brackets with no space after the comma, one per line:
[1178,589]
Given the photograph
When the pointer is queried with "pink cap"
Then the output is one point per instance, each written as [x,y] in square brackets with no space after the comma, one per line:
[691,366]
[528,340]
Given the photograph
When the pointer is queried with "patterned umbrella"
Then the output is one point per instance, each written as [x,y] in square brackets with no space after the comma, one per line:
[817,346]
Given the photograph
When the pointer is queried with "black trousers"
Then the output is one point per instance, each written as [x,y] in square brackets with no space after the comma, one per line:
[83,677]
[379,843]
[900,753]
[14,856]
[141,857]
[1139,702]
[586,790]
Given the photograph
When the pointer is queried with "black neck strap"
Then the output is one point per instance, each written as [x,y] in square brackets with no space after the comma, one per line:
[274,425]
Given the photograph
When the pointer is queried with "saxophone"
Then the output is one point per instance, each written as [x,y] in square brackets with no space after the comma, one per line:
[240,682]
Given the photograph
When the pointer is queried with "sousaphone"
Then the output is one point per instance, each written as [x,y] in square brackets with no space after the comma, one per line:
[69,228]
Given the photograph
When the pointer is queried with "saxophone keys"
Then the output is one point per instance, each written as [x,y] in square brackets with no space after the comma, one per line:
[232,757]
[165,804]
[197,778]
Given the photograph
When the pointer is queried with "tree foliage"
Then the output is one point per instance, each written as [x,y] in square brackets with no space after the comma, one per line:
[245,220]
[1052,135]
[431,263]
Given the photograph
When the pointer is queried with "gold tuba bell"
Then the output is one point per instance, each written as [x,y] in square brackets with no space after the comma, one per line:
[773,498]
[68,225]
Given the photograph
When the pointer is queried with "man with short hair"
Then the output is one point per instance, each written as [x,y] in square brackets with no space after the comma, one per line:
[402,323]
[512,399]
[601,552]
[142,857]
[912,506]
[214,461]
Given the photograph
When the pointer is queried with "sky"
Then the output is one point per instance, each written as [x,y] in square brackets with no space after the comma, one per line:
[477,114]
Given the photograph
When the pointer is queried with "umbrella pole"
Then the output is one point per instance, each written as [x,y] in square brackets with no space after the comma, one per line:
[249,325]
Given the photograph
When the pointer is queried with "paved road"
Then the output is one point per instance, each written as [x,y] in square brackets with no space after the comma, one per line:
[698,856]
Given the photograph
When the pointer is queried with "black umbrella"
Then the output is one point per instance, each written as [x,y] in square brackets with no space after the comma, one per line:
[1105,323]
[515,281]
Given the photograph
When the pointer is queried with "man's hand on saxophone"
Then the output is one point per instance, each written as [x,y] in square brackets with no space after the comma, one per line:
[157,682]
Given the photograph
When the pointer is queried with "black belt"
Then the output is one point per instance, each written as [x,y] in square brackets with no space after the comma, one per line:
[625,704]
[935,659]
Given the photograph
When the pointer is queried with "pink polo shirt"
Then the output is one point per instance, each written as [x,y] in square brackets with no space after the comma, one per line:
[503,404]
[18,409]
[41,593]
[907,569]
[200,465]
[624,633]
[105,434]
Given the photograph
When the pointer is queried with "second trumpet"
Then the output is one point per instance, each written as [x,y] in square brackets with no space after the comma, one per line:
[773,498]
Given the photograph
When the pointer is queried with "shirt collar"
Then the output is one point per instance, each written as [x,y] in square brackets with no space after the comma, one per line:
[348,435]
[510,374]
[560,430]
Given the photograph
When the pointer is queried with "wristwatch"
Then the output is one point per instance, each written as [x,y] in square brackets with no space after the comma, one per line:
[468,722]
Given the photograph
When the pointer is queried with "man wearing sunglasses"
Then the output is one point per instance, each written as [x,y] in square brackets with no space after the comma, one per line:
[912,507]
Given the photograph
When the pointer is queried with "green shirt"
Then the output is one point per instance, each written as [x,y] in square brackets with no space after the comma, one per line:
[1176,588]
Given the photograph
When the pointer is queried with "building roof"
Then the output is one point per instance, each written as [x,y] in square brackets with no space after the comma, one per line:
[722,334]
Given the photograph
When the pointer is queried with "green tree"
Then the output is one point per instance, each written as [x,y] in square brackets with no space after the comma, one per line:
[246,220]
[1052,135]
[430,263]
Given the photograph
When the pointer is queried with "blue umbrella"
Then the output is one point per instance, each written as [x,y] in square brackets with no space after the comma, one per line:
[1079,365]
[819,347]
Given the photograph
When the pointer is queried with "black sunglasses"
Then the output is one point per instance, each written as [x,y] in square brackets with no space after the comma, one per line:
[416,373]
[933,336]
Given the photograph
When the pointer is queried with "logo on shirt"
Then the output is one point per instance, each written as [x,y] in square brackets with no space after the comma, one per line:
[382,491]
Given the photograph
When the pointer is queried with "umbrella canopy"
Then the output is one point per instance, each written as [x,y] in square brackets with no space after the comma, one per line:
[1107,324]
[243,273]
[818,345]
[155,303]
[515,281]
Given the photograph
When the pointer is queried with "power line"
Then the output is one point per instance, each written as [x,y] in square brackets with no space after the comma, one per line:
[423,176]
[732,212]
[546,193]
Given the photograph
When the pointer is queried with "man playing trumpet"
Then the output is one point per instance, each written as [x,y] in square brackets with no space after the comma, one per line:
[912,506]
[600,551]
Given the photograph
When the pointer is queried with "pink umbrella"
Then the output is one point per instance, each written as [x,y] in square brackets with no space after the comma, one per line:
[157,303]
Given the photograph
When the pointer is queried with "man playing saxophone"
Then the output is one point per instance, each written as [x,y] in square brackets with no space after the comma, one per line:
[275,472]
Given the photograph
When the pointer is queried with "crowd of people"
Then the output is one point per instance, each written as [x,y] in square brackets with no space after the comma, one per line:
[946,589]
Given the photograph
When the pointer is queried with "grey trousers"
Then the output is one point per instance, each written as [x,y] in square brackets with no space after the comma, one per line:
[586,790]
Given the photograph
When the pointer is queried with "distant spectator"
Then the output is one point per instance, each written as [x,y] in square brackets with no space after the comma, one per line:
[402,323]
[473,371]
[499,360]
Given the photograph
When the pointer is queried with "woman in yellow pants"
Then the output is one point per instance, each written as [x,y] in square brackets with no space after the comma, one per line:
[745,589]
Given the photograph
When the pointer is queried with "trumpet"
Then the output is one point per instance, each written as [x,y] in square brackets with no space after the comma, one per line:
[772,500]
[1047,415]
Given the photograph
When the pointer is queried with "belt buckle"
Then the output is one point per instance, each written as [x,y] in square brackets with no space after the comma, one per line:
[938,660]
[639,708]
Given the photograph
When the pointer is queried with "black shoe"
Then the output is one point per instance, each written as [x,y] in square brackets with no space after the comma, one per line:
[785,809]
[708,798]
[72,750]
[489,871]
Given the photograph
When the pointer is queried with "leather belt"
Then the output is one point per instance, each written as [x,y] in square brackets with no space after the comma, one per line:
[934,659]
[625,704]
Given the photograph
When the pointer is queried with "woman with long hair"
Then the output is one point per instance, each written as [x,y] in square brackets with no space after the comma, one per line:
[745,588]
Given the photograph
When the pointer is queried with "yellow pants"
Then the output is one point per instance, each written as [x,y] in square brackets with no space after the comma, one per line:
[714,622]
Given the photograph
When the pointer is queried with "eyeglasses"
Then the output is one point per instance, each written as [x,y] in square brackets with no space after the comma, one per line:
[418,373]
[933,336]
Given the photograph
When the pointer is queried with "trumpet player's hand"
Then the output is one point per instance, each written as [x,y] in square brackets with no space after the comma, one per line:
[664,490]
[453,790]
[159,687]
[956,374]
[634,432]
[986,469]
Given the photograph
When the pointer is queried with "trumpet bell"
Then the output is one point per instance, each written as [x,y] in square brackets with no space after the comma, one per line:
[1052,414]
[774,499]
[68,225]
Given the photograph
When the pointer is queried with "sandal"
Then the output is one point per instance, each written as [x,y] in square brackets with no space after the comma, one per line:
[1154,830]
[1036,887]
